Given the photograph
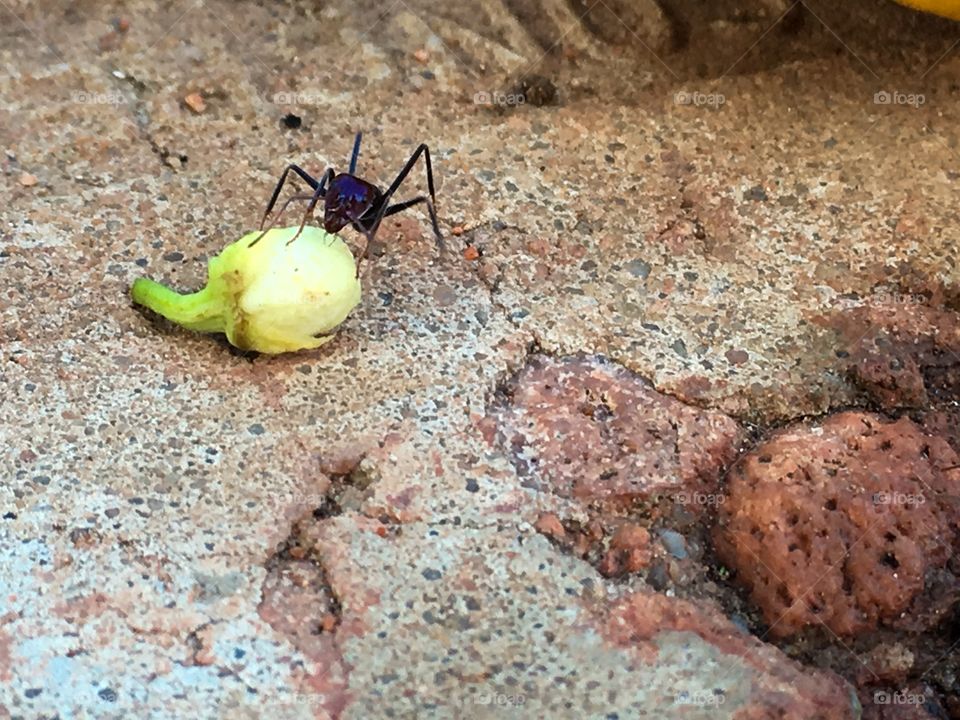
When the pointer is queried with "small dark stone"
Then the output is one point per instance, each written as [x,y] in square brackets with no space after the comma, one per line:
[756,193]
[737,357]
[658,577]
[32,692]
[472,486]
[108,694]
[674,543]
[432,574]
[291,121]
[175,256]
[9,516]
[256,429]
[638,268]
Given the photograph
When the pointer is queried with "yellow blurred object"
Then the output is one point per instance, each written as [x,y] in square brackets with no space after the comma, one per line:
[946,8]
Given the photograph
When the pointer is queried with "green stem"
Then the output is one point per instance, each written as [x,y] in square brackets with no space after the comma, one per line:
[201,311]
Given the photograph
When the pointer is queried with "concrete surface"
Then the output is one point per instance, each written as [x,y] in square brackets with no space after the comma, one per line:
[190,532]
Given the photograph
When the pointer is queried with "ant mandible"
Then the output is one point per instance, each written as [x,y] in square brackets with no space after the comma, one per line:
[350,200]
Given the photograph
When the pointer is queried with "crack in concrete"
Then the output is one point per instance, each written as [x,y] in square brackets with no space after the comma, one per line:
[141,118]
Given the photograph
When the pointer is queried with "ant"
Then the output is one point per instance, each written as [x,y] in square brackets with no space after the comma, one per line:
[349,200]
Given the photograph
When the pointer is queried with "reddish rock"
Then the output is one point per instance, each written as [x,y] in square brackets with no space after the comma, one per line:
[629,551]
[647,623]
[903,353]
[195,102]
[587,428]
[945,423]
[549,524]
[585,540]
[892,378]
[841,523]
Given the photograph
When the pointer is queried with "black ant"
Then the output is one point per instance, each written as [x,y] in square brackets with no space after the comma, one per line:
[349,200]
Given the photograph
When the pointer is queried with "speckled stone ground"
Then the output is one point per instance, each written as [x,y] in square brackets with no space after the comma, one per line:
[701,196]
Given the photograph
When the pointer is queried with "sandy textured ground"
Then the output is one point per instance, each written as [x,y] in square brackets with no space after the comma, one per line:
[702,199]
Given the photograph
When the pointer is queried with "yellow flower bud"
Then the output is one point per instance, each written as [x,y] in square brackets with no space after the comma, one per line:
[272,297]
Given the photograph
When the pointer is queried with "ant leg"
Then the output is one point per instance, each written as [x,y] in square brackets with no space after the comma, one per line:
[422,149]
[355,154]
[273,222]
[283,178]
[368,238]
[394,209]
[319,190]
[309,211]
[367,235]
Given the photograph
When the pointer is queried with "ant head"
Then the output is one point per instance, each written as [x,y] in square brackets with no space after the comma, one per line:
[348,199]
